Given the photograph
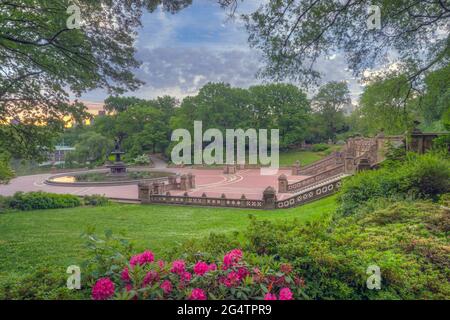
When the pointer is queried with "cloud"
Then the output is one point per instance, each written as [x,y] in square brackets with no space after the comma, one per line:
[188,69]
[182,52]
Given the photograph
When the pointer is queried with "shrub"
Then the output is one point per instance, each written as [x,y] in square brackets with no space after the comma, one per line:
[96,200]
[408,240]
[4,203]
[43,283]
[142,160]
[232,278]
[420,176]
[43,200]
[320,147]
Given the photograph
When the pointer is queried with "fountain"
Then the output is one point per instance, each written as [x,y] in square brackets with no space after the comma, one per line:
[118,168]
[117,175]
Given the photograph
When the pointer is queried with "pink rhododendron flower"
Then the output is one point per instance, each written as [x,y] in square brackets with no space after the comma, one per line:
[143,258]
[150,277]
[243,272]
[212,267]
[197,294]
[270,296]
[178,267]
[201,268]
[161,264]
[286,294]
[125,275]
[103,289]
[232,279]
[231,258]
[166,286]
[185,277]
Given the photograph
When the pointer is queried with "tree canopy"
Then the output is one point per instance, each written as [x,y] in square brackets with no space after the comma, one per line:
[293,35]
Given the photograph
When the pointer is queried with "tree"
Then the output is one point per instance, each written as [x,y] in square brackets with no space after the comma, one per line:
[436,99]
[143,128]
[120,104]
[281,106]
[92,148]
[292,35]
[6,173]
[329,103]
[45,56]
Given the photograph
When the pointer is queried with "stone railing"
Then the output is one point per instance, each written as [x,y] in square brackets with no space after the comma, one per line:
[203,201]
[335,159]
[268,199]
[311,194]
[298,186]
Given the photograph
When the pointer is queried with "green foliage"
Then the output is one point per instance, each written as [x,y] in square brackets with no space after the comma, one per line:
[4,203]
[407,240]
[43,283]
[107,254]
[320,147]
[329,103]
[272,106]
[42,200]
[292,35]
[92,147]
[424,176]
[436,100]
[96,200]
[142,160]
[6,173]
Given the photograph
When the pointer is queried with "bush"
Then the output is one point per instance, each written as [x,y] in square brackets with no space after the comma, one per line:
[4,203]
[142,160]
[232,278]
[96,200]
[44,283]
[43,200]
[408,240]
[420,176]
[320,147]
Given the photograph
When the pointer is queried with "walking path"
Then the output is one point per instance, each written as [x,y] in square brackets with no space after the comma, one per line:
[210,181]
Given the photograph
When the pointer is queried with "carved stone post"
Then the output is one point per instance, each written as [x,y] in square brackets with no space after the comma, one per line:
[191,180]
[204,200]
[222,200]
[269,198]
[172,182]
[282,184]
[183,182]
[296,168]
[143,193]
[349,165]
[243,200]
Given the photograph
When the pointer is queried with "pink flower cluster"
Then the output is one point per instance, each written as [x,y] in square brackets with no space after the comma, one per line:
[201,268]
[232,258]
[103,289]
[197,294]
[175,279]
[143,258]
[285,294]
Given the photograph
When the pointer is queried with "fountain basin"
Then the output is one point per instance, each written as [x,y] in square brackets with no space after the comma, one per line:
[102,177]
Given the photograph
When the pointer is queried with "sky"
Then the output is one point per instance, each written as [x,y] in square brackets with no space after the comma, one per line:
[182,52]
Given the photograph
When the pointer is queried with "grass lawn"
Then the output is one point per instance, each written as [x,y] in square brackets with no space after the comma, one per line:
[53,236]
[306,157]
